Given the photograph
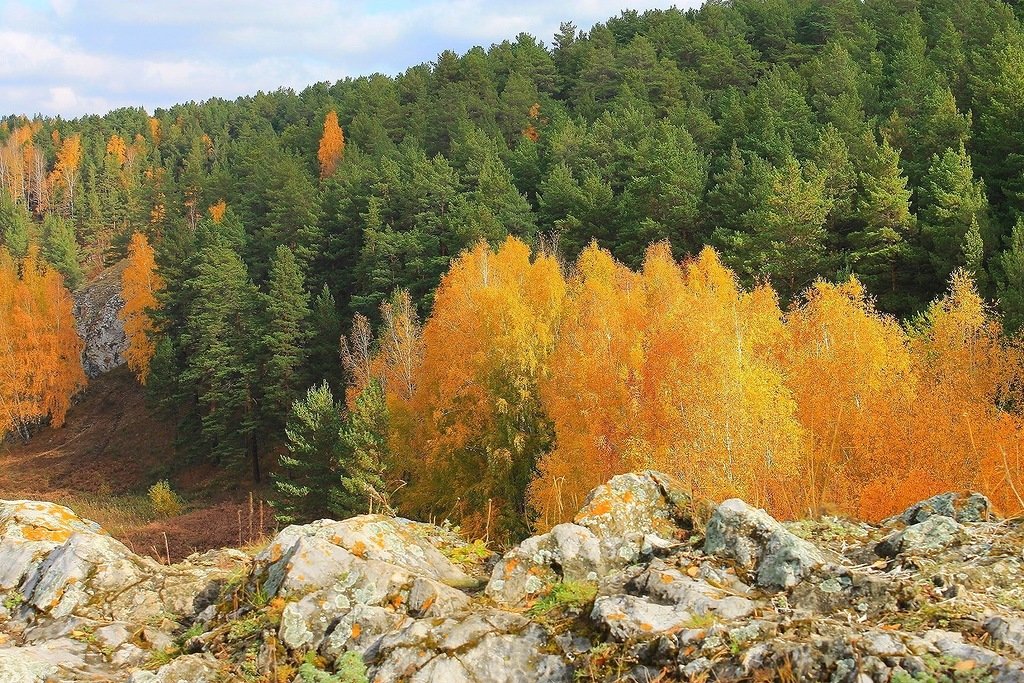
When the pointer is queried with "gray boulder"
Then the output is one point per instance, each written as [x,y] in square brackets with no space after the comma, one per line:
[620,523]
[760,544]
[963,507]
[487,645]
[935,533]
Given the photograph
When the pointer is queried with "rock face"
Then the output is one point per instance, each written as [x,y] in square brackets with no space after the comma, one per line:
[96,310]
[632,590]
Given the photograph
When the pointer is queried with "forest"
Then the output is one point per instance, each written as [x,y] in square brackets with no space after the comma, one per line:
[774,247]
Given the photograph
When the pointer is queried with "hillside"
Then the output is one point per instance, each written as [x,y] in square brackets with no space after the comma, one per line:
[646,584]
[104,459]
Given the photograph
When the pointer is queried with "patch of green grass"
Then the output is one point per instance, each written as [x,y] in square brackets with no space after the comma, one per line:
[702,621]
[565,595]
[244,628]
[158,658]
[13,600]
[469,554]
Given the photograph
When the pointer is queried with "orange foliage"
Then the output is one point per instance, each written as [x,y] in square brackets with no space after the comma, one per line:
[154,130]
[667,368]
[332,145]
[217,211]
[139,285]
[65,172]
[40,351]
[117,148]
[469,404]
[521,381]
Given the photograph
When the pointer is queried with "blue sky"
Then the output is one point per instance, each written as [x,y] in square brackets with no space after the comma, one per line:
[72,57]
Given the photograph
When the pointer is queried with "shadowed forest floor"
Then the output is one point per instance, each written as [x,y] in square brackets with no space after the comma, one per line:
[103,461]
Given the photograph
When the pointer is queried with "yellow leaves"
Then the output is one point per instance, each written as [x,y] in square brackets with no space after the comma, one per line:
[117,148]
[217,211]
[154,130]
[40,351]
[831,406]
[332,145]
[139,285]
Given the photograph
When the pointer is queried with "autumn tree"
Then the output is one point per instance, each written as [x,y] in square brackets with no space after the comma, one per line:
[332,145]
[479,428]
[140,283]
[40,351]
[67,171]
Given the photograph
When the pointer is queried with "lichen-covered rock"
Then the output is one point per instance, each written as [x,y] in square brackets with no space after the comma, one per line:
[934,533]
[487,645]
[381,597]
[197,668]
[1009,632]
[692,595]
[620,522]
[311,556]
[760,544]
[28,531]
[963,507]
[629,617]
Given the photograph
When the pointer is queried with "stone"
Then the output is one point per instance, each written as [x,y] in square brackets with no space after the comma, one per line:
[935,533]
[630,517]
[1007,631]
[312,556]
[626,617]
[487,645]
[760,544]
[695,596]
[97,309]
[962,507]
[198,668]
[882,644]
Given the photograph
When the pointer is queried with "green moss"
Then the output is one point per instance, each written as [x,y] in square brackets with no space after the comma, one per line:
[565,595]
[350,669]
[13,600]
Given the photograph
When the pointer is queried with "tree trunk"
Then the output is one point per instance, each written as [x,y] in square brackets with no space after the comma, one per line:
[254,453]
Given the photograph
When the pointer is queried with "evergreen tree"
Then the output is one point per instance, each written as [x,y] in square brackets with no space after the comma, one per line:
[284,340]
[324,344]
[305,474]
[952,200]
[1011,286]
[221,361]
[884,241]
[14,227]
[61,249]
[364,438]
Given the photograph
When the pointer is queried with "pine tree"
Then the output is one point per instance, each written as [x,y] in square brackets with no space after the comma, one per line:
[1011,287]
[951,202]
[60,248]
[219,337]
[882,206]
[14,227]
[364,440]
[324,347]
[283,343]
[305,473]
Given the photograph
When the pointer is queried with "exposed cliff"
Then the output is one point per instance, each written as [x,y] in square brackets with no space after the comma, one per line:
[96,310]
[645,585]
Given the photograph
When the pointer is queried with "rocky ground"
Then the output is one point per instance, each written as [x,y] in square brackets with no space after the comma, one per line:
[645,585]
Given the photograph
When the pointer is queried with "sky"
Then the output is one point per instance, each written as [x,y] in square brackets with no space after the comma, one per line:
[74,57]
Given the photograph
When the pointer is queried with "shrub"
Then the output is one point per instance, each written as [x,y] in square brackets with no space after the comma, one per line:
[165,502]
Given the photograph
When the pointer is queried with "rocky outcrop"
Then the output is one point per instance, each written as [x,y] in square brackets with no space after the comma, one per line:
[634,589]
[96,310]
